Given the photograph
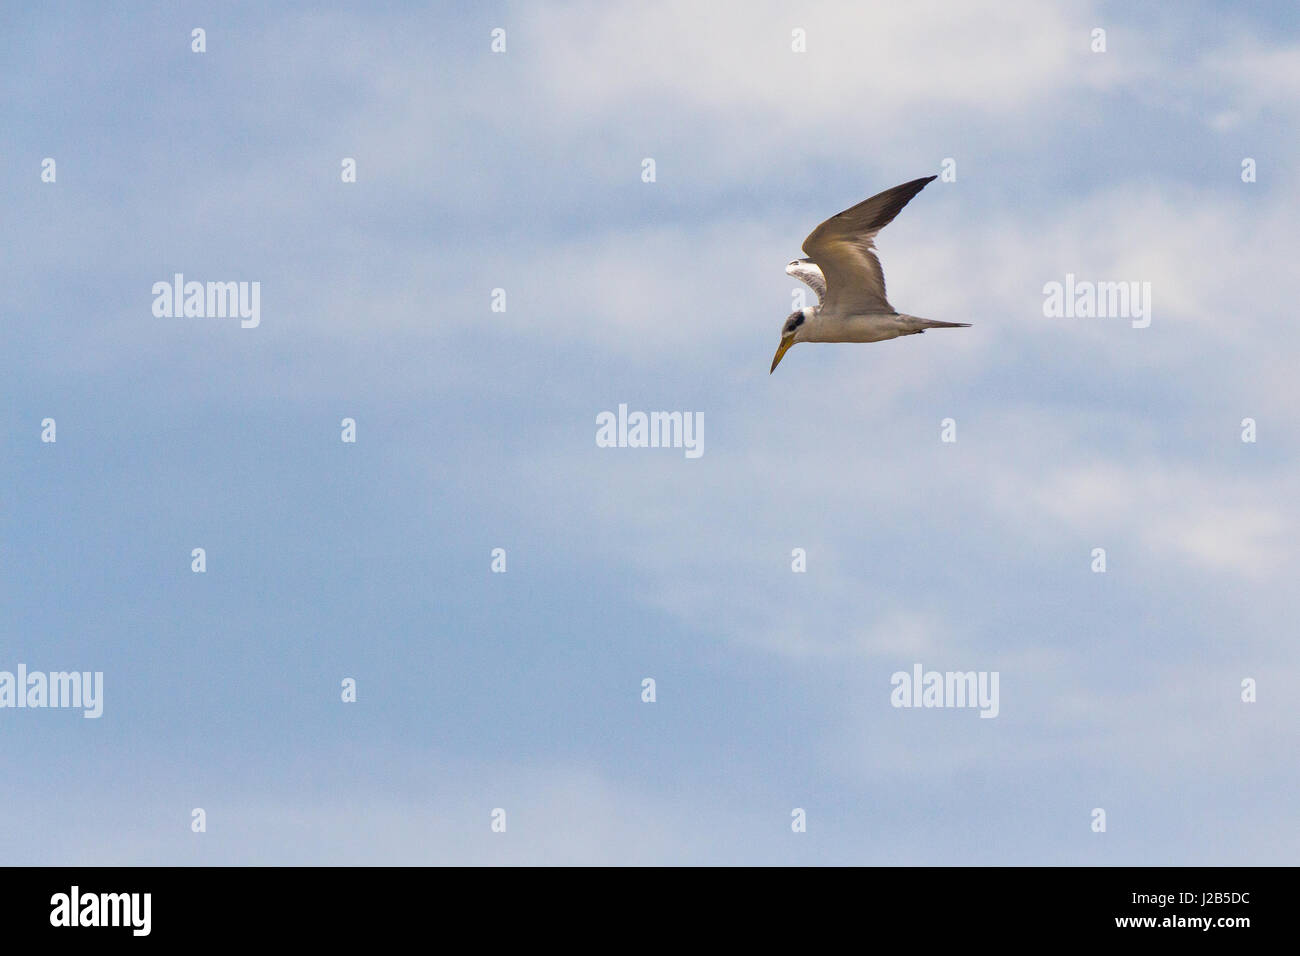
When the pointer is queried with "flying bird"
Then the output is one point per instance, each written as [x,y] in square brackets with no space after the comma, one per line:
[843,270]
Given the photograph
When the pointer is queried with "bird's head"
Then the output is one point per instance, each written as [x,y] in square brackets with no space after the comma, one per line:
[789,335]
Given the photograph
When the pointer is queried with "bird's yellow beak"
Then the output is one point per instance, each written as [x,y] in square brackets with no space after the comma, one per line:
[780,351]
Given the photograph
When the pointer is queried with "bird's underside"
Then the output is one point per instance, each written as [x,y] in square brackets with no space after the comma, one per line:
[873,327]
[843,270]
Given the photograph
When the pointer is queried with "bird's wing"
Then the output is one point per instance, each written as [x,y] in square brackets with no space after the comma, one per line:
[810,273]
[844,247]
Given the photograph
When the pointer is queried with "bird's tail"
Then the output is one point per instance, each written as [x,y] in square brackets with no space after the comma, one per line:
[914,323]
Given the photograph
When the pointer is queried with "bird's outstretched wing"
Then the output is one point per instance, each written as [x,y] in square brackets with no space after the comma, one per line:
[805,270]
[844,247]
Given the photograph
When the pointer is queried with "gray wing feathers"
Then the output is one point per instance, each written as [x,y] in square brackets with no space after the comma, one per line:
[844,247]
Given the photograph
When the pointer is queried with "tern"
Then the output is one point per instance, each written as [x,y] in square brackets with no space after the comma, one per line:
[843,270]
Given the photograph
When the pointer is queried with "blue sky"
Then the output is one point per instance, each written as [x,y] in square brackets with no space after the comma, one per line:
[476,430]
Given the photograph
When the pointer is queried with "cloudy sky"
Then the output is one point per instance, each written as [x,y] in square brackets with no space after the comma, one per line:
[522,171]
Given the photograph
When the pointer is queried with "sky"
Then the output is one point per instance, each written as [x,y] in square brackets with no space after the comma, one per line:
[523,170]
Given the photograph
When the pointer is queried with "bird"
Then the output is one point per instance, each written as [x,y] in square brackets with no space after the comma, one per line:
[842,268]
